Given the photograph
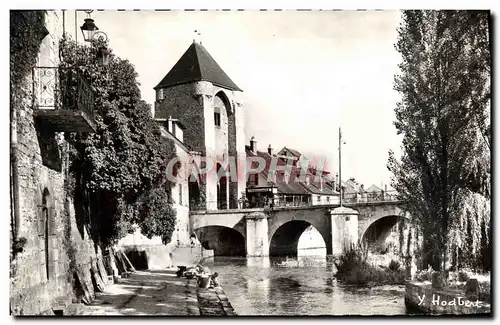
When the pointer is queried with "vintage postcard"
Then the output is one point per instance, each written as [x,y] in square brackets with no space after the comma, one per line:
[250,162]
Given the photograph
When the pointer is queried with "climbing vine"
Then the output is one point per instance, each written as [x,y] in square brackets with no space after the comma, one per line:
[118,168]
[27,30]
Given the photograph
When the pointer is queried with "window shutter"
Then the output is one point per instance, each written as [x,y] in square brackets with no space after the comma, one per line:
[40,220]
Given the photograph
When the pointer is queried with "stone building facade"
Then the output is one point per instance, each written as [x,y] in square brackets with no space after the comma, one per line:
[51,247]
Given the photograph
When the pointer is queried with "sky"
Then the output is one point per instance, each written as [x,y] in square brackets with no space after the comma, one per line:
[304,74]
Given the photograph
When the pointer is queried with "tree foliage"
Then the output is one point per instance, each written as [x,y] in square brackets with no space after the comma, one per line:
[444,118]
[121,166]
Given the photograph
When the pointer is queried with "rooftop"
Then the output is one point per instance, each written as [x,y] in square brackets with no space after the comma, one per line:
[196,64]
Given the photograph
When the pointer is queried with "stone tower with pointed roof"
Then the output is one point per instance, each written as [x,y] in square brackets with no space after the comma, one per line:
[198,93]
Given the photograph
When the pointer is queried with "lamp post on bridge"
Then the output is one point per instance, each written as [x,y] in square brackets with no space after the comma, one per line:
[340,165]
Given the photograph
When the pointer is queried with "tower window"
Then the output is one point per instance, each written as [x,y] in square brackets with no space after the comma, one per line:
[217,119]
[180,193]
[159,94]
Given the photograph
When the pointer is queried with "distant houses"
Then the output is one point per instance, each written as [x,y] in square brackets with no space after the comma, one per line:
[302,186]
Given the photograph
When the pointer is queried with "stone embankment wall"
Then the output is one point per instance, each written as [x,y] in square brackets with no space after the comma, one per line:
[207,302]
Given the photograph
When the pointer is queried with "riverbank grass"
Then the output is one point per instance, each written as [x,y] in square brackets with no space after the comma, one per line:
[353,269]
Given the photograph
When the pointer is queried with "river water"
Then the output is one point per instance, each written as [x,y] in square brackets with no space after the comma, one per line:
[258,286]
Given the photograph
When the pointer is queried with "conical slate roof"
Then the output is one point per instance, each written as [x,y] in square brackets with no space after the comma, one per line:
[196,64]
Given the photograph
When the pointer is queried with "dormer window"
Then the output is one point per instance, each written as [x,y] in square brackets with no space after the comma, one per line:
[217,119]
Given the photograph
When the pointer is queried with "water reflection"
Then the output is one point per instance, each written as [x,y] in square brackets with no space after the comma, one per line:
[257,289]
[257,286]
[258,262]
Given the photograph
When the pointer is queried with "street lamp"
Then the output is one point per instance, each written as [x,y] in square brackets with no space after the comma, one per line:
[92,35]
[89,29]
[103,55]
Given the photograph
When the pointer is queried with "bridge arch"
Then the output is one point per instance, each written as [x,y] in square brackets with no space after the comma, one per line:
[285,240]
[376,234]
[368,214]
[286,227]
[224,241]
[376,225]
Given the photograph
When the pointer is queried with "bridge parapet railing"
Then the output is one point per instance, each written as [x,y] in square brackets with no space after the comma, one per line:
[382,196]
[199,206]
[367,197]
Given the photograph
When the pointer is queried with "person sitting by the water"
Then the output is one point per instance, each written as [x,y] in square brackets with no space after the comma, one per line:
[202,269]
[213,280]
[193,239]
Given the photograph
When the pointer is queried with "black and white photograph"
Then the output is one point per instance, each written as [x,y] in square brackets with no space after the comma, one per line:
[243,162]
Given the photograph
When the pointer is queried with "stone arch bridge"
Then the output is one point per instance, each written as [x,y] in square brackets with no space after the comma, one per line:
[276,232]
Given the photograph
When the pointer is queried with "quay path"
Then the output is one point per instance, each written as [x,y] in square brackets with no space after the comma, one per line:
[158,293]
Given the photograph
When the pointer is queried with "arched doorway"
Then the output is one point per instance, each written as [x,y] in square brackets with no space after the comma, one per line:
[225,145]
[194,195]
[222,188]
[195,186]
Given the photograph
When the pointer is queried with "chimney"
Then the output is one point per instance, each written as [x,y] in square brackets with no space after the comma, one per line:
[385,188]
[270,150]
[253,145]
[170,125]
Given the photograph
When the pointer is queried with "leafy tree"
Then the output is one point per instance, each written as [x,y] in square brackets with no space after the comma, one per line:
[443,116]
[119,168]
[154,214]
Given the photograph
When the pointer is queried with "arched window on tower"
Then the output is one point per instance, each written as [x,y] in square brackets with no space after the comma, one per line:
[217,116]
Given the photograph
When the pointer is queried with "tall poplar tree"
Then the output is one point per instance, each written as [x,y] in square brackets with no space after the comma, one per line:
[444,118]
